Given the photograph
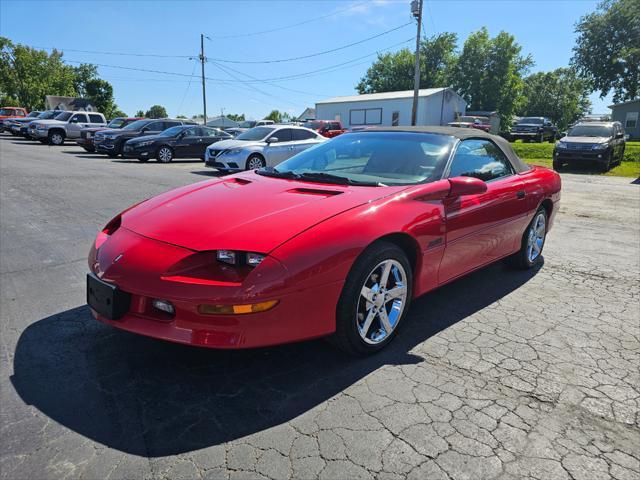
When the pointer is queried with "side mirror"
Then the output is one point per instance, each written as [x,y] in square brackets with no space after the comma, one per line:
[620,135]
[272,140]
[466,186]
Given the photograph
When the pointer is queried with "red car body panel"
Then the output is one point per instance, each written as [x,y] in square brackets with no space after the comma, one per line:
[15,114]
[312,233]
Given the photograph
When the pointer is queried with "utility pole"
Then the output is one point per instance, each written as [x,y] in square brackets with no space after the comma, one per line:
[416,11]
[204,92]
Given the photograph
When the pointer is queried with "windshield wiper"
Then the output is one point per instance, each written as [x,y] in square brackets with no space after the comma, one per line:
[330,178]
[272,172]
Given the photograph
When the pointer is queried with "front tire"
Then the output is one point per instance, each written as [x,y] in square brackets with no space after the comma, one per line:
[56,138]
[254,162]
[558,165]
[533,239]
[374,300]
[164,155]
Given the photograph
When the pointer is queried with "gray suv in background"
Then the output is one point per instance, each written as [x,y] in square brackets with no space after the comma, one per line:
[63,126]
[600,143]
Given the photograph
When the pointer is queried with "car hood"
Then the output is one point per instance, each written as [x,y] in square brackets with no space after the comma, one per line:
[229,144]
[244,211]
[585,139]
[25,120]
[49,122]
[145,138]
[528,125]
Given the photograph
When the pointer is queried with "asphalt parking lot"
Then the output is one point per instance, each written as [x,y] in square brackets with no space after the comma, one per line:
[502,374]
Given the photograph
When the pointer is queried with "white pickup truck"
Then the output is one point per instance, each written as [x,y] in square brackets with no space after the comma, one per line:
[65,125]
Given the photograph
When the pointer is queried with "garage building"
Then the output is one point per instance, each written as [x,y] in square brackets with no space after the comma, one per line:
[627,114]
[436,106]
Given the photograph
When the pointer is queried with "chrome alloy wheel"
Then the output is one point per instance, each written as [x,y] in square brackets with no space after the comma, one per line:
[165,154]
[382,301]
[535,238]
[254,163]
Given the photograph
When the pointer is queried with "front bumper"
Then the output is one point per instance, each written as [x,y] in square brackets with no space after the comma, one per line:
[137,152]
[570,156]
[223,163]
[136,274]
[34,133]
[522,135]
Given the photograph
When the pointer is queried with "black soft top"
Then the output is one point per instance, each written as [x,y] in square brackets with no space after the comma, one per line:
[461,134]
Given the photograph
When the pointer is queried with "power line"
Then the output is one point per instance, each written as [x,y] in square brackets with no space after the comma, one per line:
[285,27]
[188,86]
[327,69]
[124,54]
[317,54]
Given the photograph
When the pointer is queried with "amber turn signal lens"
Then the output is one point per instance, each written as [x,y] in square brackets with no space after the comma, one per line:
[207,309]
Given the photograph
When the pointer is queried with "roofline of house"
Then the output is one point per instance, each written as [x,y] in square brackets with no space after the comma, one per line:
[359,99]
[625,103]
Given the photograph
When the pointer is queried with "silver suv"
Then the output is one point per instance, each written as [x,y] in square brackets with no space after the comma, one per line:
[260,146]
[65,125]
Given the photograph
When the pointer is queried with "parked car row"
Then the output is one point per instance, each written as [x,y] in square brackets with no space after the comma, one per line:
[166,139]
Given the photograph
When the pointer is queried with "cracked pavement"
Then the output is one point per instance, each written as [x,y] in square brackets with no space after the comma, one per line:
[502,374]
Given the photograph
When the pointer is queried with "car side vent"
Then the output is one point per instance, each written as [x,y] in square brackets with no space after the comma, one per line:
[315,191]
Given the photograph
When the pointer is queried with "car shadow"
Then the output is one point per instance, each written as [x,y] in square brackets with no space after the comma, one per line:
[153,160]
[152,398]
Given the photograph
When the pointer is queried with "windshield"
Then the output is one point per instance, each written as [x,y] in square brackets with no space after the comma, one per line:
[248,124]
[257,133]
[389,158]
[172,132]
[6,111]
[64,116]
[48,114]
[33,115]
[137,125]
[591,131]
[116,123]
[531,120]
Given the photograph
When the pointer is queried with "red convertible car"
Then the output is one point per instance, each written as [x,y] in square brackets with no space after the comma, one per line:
[336,241]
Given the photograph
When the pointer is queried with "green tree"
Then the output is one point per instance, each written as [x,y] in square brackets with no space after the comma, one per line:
[560,95]
[27,75]
[140,113]
[395,70]
[236,117]
[100,92]
[181,116]
[156,111]
[274,115]
[607,50]
[489,71]
[118,113]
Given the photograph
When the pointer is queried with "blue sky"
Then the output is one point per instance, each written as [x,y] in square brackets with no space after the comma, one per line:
[234,28]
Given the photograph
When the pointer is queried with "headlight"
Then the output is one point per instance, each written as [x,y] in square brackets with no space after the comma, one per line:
[233,257]
[599,146]
[40,127]
[561,145]
[235,151]
[143,144]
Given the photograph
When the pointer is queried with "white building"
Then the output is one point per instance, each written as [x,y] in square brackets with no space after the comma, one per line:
[436,106]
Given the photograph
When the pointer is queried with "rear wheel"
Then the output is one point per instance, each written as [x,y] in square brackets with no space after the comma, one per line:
[164,155]
[557,165]
[254,162]
[374,300]
[530,252]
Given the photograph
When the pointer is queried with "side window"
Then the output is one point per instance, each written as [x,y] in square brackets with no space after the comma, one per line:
[155,127]
[210,132]
[78,118]
[170,124]
[299,134]
[95,118]
[481,159]
[192,132]
[283,135]
[19,113]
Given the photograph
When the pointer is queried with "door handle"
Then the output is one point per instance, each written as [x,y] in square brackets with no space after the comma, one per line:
[520,194]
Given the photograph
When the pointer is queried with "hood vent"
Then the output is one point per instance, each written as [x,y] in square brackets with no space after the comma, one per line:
[315,191]
[237,182]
